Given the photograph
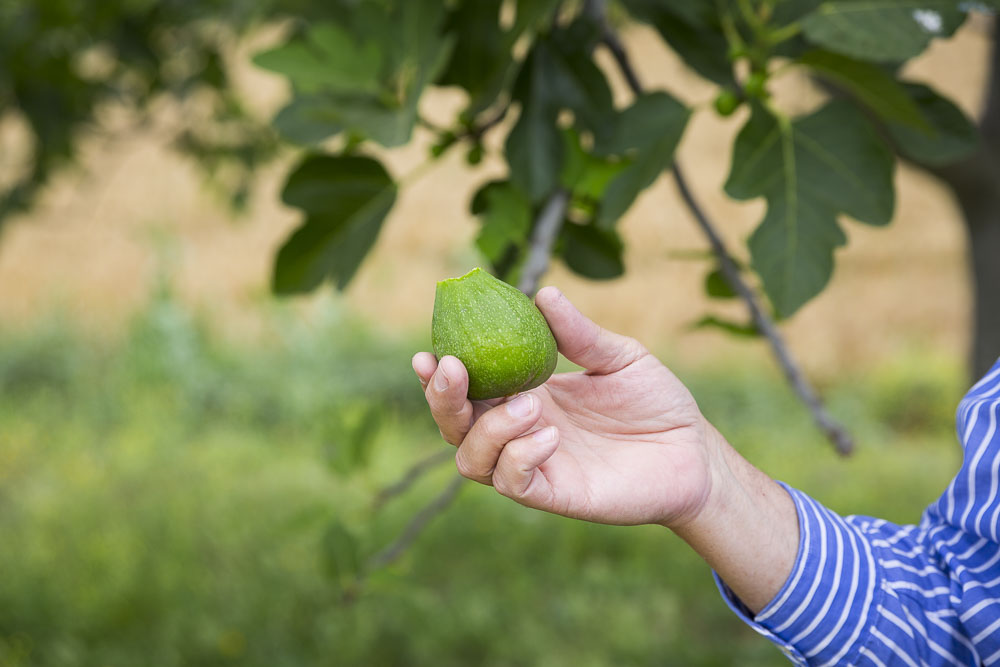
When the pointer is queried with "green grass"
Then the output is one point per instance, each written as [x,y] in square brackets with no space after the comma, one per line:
[171,499]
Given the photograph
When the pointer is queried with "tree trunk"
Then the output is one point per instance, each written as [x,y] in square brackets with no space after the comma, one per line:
[976,185]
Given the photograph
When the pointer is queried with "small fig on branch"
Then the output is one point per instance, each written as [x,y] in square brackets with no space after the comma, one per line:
[726,102]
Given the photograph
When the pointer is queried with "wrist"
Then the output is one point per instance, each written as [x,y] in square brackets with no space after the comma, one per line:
[719,482]
[747,527]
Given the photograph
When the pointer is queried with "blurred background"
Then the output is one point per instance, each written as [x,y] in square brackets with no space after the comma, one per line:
[182,454]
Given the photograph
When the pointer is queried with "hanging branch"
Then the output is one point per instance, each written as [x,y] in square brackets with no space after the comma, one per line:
[409,478]
[416,525]
[834,431]
[543,236]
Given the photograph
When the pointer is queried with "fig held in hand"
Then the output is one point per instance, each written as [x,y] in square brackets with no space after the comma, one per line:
[496,331]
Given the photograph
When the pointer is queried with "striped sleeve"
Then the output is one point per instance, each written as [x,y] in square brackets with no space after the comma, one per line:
[824,613]
[865,591]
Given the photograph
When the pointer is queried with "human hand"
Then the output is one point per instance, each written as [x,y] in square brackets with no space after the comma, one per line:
[622,442]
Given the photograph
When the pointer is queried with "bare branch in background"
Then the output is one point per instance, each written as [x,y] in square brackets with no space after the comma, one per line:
[836,433]
[543,235]
[833,430]
[410,477]
[416,525]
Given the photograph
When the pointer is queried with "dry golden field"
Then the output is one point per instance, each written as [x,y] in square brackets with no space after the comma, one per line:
[133,209]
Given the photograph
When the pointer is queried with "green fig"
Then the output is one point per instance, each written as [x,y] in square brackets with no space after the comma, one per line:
[496,331]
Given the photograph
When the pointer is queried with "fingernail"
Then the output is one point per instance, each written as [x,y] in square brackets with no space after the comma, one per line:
[521,406]
[440,379]
[544,435]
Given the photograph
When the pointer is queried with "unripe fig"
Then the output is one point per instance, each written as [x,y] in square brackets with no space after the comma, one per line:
[496,331]
[756,85]
[726,102]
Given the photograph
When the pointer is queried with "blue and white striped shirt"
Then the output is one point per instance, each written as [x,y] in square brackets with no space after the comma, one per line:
[864,591]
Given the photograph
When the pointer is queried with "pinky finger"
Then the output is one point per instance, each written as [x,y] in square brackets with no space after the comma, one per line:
[424,364]
[516,474]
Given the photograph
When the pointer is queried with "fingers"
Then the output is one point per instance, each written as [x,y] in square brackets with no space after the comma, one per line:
[478,454]
[581,340]
[517,476]
[446,384]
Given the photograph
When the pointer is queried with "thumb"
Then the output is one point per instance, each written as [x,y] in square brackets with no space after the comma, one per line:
[581,340]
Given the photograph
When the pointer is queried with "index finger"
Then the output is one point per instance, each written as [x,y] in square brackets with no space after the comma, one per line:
[452,410]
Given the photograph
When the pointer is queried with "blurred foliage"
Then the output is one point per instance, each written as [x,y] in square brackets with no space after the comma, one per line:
[63,61]
[175,499]
[358,73]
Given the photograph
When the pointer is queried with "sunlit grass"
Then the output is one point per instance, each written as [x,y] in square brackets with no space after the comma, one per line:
[166,500]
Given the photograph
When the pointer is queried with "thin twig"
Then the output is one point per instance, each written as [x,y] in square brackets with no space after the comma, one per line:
[478,131]
[542,238]
[415,472]
[833,430]
[416,525]
[471,132]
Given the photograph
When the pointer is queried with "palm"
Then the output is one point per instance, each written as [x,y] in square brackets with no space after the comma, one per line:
[628,443]
[629,449]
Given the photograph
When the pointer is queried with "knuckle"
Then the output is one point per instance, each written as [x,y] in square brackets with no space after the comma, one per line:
[491,426]
[506,485]
[463,466]
[502,485]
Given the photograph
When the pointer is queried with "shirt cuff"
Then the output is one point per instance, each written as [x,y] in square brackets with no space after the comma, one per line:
[822,614]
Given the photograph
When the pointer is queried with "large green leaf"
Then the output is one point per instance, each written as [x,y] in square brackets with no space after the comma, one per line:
[328,58]
[691,28]
[506,219]
[585,174]
[887,31]
[557,74]
[577,83]
[308,120]
[371,87]
[531,13]
[870,84]
[345,199]
[809,170]
[534,147]
[647,133]
[592,252]
[788,11]
[952,136]
[481,59]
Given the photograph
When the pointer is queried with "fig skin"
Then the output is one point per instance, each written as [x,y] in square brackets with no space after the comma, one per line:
[495,331]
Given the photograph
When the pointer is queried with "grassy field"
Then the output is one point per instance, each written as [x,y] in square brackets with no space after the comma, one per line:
[169,499]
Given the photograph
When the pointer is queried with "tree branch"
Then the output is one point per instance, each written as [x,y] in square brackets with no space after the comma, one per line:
[416,526]
[473,131]
[542,238]
[833,430]
[409,478]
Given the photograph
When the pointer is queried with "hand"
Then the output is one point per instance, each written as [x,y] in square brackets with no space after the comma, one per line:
[622,442]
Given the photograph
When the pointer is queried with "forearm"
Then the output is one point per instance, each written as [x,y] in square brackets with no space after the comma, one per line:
[748,529]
